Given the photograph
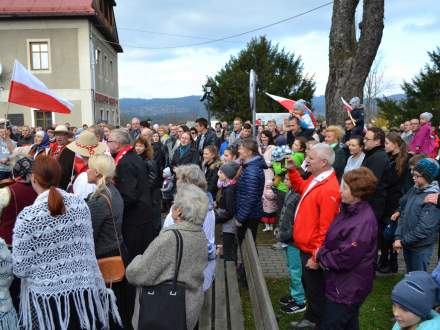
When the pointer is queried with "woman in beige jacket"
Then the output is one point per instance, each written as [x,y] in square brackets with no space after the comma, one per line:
[157,263]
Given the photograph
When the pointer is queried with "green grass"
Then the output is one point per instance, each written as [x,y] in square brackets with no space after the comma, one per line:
[375,312]
[265,237]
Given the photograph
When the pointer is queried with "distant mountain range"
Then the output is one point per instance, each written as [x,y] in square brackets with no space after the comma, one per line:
[188,108]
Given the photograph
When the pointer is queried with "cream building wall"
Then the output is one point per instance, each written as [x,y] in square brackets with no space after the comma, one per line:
[71,73]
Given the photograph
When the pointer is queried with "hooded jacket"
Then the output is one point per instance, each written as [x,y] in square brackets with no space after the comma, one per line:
[249,190]
[348,254]
[422,143]
[418,224]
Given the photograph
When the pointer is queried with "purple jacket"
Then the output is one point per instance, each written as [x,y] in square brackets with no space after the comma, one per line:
[348,254]
[422,143]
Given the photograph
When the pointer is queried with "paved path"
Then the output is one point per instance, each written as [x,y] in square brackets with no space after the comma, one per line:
[274,264]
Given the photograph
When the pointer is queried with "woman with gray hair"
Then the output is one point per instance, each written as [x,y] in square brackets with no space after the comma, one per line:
[157,264]
[423,143]
[192,174]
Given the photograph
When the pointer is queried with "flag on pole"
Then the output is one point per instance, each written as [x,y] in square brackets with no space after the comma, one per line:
[346,105]
[287,103]
[290,106]
[27,90]
[349,109]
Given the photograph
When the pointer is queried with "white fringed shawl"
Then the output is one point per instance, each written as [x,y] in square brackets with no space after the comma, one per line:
[8,316]
[55,258]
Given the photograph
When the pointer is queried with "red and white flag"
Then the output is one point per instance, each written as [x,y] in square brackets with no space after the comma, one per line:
[287,103]
[290,105]
[27,90]
[346,105]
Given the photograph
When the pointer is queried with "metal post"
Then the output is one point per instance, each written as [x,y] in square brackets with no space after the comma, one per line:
[253,78]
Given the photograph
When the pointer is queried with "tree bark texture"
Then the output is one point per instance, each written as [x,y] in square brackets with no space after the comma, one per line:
[350,60]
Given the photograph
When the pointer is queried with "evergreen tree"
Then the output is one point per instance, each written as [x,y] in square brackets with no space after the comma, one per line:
[422,94]
[279,73]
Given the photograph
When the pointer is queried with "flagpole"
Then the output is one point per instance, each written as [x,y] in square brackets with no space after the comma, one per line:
[10,87]
[351,118]
[7,112]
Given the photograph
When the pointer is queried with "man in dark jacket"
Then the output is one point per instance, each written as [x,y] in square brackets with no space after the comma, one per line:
[206,136]
[377,160]
[135,130]
[131,180]
[26,137]
[294,130]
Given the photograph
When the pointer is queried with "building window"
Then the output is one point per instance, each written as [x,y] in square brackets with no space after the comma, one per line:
[102,115]
[105,67]
[39,55]
[111,70]
[98,61]
[43,119]
[108,116]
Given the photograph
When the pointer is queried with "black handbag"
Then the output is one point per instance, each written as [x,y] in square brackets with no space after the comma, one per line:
[389,229]
[163,306]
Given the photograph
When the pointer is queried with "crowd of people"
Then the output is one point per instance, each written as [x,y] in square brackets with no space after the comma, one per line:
[79,204]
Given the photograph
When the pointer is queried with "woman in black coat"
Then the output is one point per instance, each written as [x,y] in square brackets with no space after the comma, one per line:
[106,209]
[211,164]
[399,172]
[186,153]
[153,164]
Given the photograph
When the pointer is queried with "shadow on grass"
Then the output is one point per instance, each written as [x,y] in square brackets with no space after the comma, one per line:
[375,313]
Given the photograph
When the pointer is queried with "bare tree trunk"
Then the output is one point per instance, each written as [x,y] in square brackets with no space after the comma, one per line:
[350,60]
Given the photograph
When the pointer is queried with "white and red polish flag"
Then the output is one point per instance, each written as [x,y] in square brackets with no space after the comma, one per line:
[346,105]
[27,90]
[290,104]
[287,103]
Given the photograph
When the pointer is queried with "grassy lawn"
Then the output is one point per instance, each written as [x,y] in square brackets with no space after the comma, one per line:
[375,312]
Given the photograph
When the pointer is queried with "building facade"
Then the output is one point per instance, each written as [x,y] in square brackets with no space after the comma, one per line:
[72,47]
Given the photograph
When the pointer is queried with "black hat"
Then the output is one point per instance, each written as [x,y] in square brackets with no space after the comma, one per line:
[230,169]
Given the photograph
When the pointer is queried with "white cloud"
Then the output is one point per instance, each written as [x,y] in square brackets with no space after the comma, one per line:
[181,75]
[408,35]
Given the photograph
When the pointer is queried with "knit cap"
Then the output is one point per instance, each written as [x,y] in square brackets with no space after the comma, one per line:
[230,169]
[300,105]
[278,153]
[428,168]
[417,293]
[22,167]
[426,115]
[167,172]
[355,102]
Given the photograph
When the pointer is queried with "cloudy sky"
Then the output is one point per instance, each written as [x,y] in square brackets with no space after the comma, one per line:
[411,29]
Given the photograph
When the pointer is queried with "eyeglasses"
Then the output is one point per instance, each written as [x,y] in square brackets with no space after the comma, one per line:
[415,175]
[367,139]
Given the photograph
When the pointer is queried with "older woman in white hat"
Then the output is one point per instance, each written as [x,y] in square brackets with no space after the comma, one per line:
[84,147]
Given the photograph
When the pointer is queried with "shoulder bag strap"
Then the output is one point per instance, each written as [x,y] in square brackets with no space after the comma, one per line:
[15,201]
[113,219]
[179,251]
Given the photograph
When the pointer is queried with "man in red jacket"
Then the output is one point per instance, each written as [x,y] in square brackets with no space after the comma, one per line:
[318,206]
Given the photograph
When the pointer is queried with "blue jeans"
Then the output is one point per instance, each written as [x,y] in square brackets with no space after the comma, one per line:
[417,259]
[295,272]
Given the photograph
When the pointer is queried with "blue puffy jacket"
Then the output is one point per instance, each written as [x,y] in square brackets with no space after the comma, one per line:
[249,190]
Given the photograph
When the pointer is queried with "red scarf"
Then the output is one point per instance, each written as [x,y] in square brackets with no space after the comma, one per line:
[121,153]
[79,165]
